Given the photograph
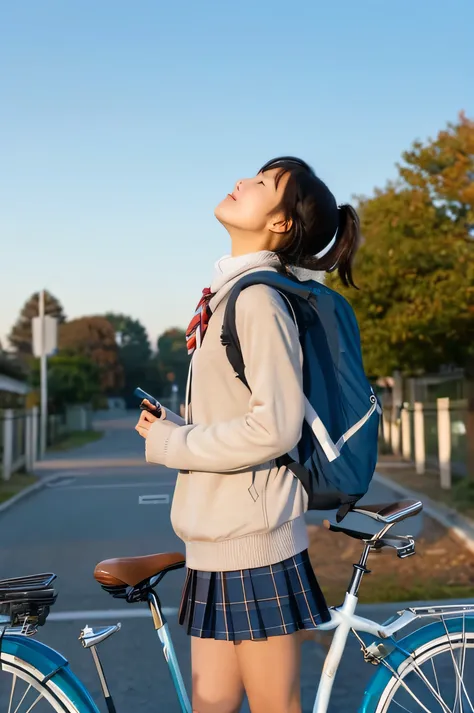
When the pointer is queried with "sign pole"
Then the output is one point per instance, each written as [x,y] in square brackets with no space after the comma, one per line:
[44,376]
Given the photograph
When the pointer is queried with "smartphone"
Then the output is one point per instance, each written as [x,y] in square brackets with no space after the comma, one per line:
[156,406]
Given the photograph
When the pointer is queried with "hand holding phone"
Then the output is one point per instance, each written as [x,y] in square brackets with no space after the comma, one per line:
[155,406]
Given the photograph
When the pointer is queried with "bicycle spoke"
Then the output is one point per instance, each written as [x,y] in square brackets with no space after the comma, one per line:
[458,686]
[34,704]
[23,698]
[456,668]
[436,678]
[402,707]
[408,690]
[433,680]
[12,693]
[462,656]
[435,694]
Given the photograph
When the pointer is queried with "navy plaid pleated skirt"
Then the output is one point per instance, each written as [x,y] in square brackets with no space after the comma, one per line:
[253,603]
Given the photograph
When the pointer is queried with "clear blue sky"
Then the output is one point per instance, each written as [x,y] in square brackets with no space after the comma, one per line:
[122,124]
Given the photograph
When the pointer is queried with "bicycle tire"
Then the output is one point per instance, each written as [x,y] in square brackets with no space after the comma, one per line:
[44,671]
[414,666]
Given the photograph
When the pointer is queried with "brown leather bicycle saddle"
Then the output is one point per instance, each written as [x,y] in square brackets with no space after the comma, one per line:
[130,571]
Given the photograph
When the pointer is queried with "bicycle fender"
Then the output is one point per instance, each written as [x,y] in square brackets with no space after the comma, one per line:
[410,644]
[50,665]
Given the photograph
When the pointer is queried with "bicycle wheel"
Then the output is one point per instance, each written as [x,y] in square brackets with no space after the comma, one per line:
[437,675]
[21,692]
[36,679]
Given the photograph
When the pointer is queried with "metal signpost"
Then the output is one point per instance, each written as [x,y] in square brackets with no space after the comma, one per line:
[45,338]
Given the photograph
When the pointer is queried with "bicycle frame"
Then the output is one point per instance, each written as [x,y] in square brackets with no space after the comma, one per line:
[171,659]
[343,619]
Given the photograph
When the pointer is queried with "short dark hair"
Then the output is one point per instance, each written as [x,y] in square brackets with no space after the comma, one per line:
[315,220]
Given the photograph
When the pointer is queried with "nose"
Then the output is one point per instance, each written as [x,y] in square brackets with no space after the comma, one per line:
[238,184]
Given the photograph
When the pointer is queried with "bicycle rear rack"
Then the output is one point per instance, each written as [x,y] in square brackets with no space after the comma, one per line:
[25,602]
[442,610]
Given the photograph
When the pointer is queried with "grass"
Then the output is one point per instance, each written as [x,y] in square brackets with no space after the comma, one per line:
[17,483]
[382,588]
[76,439]
[390,590]
[460,497]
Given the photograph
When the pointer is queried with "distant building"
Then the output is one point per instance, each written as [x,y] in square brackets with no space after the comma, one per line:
[12,392]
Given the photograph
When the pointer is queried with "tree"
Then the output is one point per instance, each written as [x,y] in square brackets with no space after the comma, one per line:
[132,340]
[94,338]
[415,268]
[71,380]
[173,357]
[135,357]
[20,337]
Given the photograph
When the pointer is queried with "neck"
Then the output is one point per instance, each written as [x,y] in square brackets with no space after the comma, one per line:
[244,242]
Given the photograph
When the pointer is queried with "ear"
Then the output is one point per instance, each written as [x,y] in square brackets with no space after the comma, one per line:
[279,224]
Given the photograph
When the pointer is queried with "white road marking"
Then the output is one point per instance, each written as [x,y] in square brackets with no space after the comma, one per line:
[61,483]
[133,612]
[154,499]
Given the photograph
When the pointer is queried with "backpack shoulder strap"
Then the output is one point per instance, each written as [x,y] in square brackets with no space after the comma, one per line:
[229,336]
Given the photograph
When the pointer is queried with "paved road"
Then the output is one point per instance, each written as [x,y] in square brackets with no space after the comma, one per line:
[93,513]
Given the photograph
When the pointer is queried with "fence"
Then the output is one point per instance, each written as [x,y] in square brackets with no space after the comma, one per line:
[20,435]
[431,434]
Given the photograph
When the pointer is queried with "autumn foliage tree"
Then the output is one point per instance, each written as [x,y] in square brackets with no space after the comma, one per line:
[94,338]
[415,268]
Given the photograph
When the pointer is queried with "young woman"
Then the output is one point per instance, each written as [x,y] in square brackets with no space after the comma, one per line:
[250,588]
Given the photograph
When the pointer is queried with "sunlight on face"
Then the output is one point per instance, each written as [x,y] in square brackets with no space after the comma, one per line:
[253,205]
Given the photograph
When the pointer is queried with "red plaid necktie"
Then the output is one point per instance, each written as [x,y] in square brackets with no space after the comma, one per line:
[198,325]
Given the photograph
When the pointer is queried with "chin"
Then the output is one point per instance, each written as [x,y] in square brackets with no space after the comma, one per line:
[222,213]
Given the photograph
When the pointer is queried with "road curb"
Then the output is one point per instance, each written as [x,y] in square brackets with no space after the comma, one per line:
[459,526]
[42,483]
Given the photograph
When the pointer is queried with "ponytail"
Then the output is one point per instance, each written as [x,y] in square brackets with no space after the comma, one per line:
[341,256]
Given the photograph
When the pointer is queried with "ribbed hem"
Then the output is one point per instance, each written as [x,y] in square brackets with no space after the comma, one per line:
[258,550]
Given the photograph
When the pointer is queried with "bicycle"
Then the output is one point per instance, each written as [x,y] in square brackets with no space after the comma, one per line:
[424,671]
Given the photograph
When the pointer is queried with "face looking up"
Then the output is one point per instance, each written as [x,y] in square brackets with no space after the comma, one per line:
[254,208]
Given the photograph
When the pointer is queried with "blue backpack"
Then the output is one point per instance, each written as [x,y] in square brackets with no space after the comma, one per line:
[337,453]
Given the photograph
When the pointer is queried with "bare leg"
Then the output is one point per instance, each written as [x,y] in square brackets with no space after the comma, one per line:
[217,683]
[271,673]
